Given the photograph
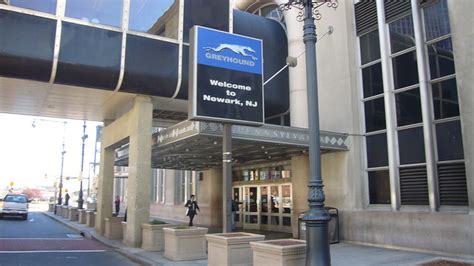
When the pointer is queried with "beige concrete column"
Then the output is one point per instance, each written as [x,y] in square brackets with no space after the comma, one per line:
[170,187]
[299,177]
[209,196]
[105,189]
[297,75]
[139,169]
[460,15]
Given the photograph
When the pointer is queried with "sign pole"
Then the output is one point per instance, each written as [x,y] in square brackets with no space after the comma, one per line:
[227,177]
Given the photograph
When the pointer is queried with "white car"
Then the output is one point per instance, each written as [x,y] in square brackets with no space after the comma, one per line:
[15,205]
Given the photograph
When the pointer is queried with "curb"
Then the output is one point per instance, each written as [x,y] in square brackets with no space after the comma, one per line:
[52,216]
[129,255]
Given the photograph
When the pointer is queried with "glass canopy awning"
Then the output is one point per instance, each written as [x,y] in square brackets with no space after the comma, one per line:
[194,145]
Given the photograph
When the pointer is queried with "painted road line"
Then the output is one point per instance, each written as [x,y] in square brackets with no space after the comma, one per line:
[38,238]
[51,251]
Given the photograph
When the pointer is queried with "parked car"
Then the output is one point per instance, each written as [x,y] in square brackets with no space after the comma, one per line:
[15,205]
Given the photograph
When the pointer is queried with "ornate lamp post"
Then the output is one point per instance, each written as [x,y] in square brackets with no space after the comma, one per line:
[80,201]
[317,217]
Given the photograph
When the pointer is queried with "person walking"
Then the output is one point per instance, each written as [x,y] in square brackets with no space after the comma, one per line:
[193,207]
[117,205]
[235,208]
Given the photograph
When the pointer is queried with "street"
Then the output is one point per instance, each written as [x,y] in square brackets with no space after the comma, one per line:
[41,240]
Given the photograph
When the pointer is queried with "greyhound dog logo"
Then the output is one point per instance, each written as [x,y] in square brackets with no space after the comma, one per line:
[238,49]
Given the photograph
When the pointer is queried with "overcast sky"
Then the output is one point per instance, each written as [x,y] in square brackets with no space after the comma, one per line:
[29,154]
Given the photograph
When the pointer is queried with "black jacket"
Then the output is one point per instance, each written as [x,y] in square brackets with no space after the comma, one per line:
[192,207]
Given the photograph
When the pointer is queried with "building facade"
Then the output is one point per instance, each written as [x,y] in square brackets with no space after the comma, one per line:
[396,108]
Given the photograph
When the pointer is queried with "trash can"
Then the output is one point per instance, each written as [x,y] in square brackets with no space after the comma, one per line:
[333,225]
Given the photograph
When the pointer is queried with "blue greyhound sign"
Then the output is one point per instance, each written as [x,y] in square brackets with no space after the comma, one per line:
[226,77]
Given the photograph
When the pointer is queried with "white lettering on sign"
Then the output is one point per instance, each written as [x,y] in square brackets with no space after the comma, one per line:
[210,98]
[230,59]
[229,85]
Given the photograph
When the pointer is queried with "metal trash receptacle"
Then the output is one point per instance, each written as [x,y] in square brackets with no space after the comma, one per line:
[333,226]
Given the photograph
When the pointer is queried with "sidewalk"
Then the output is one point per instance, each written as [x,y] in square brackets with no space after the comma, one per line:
[341,254]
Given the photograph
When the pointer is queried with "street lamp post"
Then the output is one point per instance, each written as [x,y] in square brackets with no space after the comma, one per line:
[317,217]
[80,201]
[60,198]
[60,187]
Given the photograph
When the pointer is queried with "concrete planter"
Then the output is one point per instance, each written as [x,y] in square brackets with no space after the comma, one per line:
[91,206]
[113,228]
[281,252]
[186,243]
[59,210]
[51,207]
[153,237]
[65,211]
[124,230]
[231,248]
[90,218]
[73,214]
[81,216]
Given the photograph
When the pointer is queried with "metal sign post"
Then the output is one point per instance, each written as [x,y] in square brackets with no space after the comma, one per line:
[227,178]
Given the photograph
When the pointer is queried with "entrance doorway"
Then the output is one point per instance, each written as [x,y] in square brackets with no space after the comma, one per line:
[264,207]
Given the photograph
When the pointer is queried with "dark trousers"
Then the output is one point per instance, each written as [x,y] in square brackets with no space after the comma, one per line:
[117,208]
[191,217]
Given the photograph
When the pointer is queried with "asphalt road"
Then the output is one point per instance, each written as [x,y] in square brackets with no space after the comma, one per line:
[41,240]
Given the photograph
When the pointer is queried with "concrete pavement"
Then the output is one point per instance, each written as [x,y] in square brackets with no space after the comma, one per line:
[42,241]
[341,254]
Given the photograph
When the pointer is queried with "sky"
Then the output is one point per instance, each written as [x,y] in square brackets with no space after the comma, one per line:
[31,156]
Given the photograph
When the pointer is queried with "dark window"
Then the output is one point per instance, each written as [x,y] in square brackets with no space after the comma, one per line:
[437,20]
[26,46]
[441,58]
[411,146]
[286,221]
[449,141]
[369,47]
[379,187]
[372,80]
[273,12]
[445,99]
[405,70]
[89,56]
[145,73]
[374,115]
[408,107]
[377,150]
[402,35]
[158,17]
[47,6]
[275,220]
[104,12]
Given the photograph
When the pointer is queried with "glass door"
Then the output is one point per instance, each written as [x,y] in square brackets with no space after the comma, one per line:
[238,213]
[251,208]
[264,206]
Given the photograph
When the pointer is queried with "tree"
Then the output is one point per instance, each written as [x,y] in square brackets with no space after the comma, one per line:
[32,193]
